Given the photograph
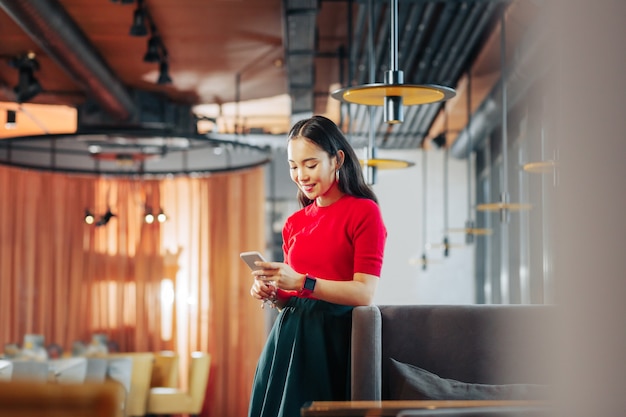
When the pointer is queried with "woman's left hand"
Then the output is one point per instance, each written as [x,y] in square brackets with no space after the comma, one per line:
[280,274]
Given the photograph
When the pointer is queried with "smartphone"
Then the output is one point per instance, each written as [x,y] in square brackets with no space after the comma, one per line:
[250,258]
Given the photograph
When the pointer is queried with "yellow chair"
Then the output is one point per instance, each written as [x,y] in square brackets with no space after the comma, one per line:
[176,401]
[165,369]
[141,372]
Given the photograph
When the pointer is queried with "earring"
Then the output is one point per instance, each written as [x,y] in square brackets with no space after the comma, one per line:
[337,175]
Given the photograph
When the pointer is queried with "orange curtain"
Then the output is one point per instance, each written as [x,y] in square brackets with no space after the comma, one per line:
[176,285]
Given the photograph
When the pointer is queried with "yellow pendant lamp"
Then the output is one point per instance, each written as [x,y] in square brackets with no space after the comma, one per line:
[504,206]
[393,94]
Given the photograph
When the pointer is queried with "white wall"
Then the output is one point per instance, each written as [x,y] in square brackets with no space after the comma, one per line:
[400,193]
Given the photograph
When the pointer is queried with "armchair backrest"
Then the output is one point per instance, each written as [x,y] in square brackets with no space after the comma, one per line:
[199,368]
[165,369]
[469,343]
[141,372]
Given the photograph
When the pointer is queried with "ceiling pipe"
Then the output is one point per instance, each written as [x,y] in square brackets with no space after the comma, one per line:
[49,25]
[489,113]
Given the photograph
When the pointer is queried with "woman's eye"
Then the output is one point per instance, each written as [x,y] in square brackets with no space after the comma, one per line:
[311,166]
[292,168]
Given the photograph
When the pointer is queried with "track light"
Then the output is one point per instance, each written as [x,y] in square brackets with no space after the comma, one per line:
[164,76]
[139,21]
[27,86]
[11,119]
[440,140]
[105,218]
[89,218]
[153,53]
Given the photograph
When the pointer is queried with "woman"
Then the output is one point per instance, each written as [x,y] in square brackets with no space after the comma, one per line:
[333,251]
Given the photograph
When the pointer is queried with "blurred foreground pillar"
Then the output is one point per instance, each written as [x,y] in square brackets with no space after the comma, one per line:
[590,209]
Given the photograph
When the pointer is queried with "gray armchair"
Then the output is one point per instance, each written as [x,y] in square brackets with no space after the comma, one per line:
[485,344]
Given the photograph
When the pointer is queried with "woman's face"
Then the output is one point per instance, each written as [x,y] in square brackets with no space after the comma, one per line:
[313,170]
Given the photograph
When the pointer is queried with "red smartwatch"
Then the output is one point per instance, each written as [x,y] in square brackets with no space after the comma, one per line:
[308,287]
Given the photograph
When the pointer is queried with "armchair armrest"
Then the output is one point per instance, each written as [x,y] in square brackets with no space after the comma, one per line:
[366,353]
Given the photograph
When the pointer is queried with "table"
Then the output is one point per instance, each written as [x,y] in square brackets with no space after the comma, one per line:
[408,408]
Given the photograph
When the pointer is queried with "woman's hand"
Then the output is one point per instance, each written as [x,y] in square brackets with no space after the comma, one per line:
[262,290]
[279,274]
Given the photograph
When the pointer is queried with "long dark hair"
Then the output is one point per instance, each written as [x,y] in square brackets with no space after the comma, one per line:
[325,134]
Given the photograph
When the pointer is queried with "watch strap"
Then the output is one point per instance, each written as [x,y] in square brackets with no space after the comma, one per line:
[308,286]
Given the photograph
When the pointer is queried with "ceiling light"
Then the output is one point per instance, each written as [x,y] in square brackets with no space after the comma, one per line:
[424,206]
[27,86]
[371,161]
[164,76]
[440,140]
[423,260]
[504,206]
[469,230]
[153,52]
[393,93]
[121,153]
[11,119]
[382,163]
[139,21]
[545,166]
[541,167]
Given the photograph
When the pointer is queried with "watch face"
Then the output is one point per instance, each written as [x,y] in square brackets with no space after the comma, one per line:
[309,283]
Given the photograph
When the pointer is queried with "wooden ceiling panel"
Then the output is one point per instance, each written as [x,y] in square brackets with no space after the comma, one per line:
[208,43]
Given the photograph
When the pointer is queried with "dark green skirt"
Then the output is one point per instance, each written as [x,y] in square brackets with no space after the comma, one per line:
[306,358]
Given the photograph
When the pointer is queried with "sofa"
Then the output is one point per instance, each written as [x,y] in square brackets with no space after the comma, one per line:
[488,348]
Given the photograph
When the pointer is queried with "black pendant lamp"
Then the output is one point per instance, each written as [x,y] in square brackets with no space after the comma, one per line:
[393,94]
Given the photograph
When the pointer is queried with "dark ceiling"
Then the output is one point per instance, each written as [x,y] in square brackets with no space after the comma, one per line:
[232,51]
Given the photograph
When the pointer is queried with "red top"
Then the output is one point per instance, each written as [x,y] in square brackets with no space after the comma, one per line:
[336,241]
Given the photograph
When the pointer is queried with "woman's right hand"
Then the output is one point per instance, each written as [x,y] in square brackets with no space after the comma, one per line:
[263,290]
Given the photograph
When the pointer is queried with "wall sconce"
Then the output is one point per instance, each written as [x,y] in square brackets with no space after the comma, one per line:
[149,216]
[102,221]
[105,218]
[89,218]
[161,217]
